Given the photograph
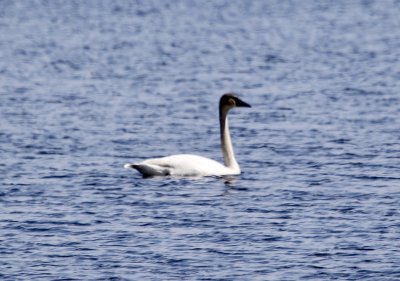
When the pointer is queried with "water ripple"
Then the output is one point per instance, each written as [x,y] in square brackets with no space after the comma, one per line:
[88,86]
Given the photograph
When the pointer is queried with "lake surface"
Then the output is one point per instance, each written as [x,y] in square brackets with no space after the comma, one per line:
[87,86]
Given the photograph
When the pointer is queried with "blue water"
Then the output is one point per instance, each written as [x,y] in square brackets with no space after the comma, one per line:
[87,86]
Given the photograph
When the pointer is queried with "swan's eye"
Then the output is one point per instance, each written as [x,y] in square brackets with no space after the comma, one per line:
[232,102]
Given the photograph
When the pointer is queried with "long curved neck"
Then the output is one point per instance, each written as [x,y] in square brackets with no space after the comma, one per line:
[226,143]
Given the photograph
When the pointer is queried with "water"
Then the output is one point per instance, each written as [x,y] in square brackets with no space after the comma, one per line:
[87,86]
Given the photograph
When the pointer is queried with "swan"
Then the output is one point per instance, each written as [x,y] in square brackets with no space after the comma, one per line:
[188,165]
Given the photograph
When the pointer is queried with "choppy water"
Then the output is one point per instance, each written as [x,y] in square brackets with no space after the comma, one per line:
[86,86]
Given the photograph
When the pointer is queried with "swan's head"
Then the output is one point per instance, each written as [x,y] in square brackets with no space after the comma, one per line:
[231,100]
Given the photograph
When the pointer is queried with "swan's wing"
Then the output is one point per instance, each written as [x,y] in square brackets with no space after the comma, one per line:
[149,170]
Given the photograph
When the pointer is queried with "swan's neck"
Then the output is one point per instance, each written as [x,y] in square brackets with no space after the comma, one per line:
[226,143]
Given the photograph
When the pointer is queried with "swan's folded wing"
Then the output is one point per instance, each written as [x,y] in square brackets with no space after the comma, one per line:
[149,170]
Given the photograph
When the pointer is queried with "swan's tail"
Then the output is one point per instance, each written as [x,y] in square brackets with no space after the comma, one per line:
[128,166]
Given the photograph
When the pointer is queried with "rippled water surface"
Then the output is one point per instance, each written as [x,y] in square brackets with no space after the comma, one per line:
[87,86]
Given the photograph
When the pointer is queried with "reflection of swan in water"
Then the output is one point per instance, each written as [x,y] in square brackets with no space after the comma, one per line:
[193,165]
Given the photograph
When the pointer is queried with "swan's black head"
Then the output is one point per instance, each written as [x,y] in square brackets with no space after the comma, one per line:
[231,100]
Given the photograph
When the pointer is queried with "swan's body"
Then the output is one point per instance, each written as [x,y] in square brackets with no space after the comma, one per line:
[188,165]
[194,165]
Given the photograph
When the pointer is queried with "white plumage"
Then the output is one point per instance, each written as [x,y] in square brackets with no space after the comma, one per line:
[193,165]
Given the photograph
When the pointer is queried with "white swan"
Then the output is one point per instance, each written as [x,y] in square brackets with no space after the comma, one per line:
[193,165]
